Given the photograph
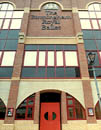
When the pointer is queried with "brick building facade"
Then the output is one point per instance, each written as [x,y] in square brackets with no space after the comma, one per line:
[45,79]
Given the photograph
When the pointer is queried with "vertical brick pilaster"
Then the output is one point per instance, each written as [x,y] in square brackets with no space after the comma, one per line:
[88,98]
[63,108]
[37,108]
[12,101]
[13,94]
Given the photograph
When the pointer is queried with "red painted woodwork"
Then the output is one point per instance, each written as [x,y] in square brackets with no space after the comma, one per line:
[51,123]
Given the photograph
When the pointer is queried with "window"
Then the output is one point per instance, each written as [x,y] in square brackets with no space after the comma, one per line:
[50,6]
[2,110]
[50,61]
[74,109]
[90,19]
[26,109]
[98,111]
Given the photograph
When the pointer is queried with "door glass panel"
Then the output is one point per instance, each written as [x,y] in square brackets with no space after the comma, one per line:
[46,115]
[29,112]
[54,116]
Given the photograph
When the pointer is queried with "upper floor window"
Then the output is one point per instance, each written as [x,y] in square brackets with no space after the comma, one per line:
[91,19]
[9,19]
[51,6]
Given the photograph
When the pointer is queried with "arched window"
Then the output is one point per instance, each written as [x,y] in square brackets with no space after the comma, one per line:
[2,110]
[98,111]
[26,109]
[74,109]
[51,6]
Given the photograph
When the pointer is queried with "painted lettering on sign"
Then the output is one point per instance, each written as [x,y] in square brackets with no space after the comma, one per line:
[51,20]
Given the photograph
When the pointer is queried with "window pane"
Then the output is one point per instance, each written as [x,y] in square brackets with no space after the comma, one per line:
[6,24]
[83,14]
[3,34]
[98,14]
[8,59]
[71,114]
[0,53]
[72,72]
[10,7]
[13,34]
[28,72]
[50,72]
[70,102]
[85,24]
[20,113]
[11,45]
[71,59]
[9,14]
[31,47]
[50,58]
[91,8]
[6,72]
[29,114]
[1,23]
[4,6]
[40,72]
[99,23]
[2,14]
[42,58]
[60,72]
[92,14]
[59,58]
[30,58]
[90,44]
[18,14]
[15,24]
[95,24]
[97,7]
[88,34]
[2,44]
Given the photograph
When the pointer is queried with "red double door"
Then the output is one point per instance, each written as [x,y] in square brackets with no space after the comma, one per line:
[50,116]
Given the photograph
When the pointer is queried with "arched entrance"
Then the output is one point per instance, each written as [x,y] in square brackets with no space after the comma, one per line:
[50,111]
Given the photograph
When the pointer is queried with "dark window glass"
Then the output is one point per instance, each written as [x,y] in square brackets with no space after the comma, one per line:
[40,72]
[90,45]
[50,72]
[71,115]
[97,72]
[46,115]
[54,116]
[88,34]
[42,47]
[97,34]
[74,109]
[20,113]
[13,34]
[2,44]
[29,115]
[31,47]
[28,72]
[59,72]
[98,111]
[6,72]
[98,44]
[72,72]
[50,47]
[25,110]
[59,47]
[2,110]
[11,44]
[70,47]
[3,34]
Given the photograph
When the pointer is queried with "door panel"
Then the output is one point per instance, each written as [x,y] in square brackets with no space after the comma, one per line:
[50,116]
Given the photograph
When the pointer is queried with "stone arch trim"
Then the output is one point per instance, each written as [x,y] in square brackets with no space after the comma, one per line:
[9,2]
[55,2]
[93,2]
